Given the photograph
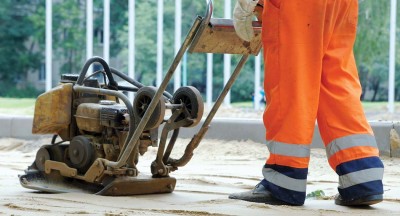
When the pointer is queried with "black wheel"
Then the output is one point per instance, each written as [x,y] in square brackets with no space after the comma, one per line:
[56,153]
[191,98]
[48,152]
[142,101]
[81,153]
[41,156]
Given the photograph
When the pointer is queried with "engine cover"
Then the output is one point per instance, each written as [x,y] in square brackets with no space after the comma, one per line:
[92,117]
[112,115]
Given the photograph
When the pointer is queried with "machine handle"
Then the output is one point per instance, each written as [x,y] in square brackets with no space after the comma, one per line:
[106,68]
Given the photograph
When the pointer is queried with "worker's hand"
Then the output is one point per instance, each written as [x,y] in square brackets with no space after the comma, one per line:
[243,17]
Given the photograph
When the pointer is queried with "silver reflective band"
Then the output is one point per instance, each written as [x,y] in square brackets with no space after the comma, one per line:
[350,141]
[360,177]
[281,180]
[294,150]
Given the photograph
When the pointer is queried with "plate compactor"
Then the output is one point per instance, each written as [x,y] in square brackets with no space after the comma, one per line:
[103,134]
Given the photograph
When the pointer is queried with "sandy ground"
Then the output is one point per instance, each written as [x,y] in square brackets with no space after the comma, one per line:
[217,169]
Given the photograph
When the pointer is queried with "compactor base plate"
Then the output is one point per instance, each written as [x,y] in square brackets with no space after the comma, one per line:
[138,185]
[120,186]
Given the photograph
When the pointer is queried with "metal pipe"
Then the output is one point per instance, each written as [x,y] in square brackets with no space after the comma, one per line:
[106,31]
[89,29]
[49,48]
[178,36]
[126,78]
[127,88]
[106,69]
[131,43]
[160,35]
[227,57]
[392,55]
[170,146]
[173,106]
[209,87]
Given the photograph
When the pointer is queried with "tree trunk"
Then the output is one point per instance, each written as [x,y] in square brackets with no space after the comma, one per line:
[363,80]
[375,87]
[397,95]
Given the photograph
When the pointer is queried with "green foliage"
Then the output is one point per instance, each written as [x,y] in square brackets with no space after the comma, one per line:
[118,25]
[146,39]
[69,35]
[24,92]
[318,194]
[17,54]
[17,106]
[22,40]
[372,46]
[16,103]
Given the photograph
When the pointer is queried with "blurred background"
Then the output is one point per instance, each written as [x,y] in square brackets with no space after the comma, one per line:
[78,29]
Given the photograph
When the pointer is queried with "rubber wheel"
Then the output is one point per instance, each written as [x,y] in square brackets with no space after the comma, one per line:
[41,156]
[81,153]
[193,102]
[142,101]
[56,153]
[48,152]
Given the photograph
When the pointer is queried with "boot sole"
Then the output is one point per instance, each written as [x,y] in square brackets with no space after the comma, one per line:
[260,199]
[364,201]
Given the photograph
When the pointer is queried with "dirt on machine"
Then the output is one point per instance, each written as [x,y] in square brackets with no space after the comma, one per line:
[103,134]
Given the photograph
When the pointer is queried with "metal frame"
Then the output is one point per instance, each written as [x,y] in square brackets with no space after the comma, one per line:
[203,27]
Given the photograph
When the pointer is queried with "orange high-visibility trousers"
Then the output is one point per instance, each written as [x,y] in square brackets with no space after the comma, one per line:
[311,74]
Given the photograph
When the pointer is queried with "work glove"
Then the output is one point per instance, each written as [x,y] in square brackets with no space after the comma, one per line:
[243,17]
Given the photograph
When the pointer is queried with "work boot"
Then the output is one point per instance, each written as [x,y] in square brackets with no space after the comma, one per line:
[363,201]
[259,195]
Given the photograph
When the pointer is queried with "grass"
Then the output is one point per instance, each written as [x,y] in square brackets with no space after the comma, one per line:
[16,102]
[371,106]
[244,104]
[17,106]
[26,106]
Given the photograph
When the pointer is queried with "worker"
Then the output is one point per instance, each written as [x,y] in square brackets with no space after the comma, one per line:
[311,74]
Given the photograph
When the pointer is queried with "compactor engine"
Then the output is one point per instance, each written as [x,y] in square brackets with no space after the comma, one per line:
[99,133]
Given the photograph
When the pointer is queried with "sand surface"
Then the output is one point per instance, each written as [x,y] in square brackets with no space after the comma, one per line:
[217,169]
